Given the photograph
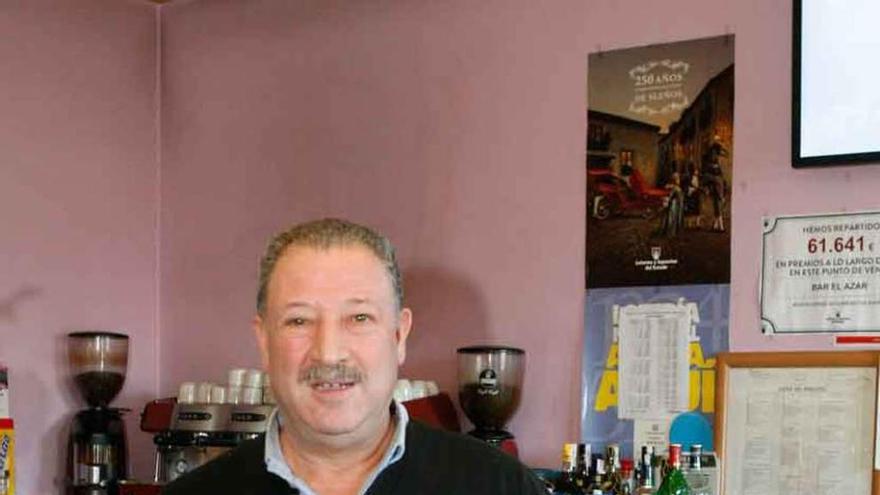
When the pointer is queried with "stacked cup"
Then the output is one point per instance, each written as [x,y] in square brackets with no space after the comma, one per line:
[252,391]
[414,389]
[236,382]
[186,394]
[246,386]
[268,396]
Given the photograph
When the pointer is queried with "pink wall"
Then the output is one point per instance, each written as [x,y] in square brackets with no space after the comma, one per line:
[457,128]
[77,209]
[465,148]
[763,181]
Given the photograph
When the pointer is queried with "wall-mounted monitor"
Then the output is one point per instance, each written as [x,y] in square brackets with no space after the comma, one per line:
[836,82]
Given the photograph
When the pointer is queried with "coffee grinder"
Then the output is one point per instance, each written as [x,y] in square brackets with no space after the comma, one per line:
[97,456]
[490,382]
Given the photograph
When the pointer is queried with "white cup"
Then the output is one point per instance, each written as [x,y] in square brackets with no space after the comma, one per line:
[402,390]
[268,396]
[203,392]
[253,378]
[236,377]
[419,389]
[218,394]
[251,395]
[233,395]
[186,394]
[432,387]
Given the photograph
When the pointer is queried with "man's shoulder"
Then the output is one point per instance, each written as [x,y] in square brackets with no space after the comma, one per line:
[464,464]
[238,471]
[428,440]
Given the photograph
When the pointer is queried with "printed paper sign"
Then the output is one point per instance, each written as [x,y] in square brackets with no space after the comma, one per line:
[821,273]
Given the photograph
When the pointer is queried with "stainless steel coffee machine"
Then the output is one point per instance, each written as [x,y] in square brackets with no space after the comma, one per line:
[206,420]
[197,433]
[97,455]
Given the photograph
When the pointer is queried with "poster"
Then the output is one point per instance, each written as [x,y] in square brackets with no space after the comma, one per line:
[821,273]
[600,421]
[659,164]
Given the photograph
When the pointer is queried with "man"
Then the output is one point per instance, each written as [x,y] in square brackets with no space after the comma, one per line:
[715,182]
[332,333]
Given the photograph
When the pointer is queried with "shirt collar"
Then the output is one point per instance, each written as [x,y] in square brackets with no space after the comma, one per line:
[276,464]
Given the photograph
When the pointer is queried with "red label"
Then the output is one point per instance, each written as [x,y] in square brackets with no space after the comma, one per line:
[857,339]
[674,454]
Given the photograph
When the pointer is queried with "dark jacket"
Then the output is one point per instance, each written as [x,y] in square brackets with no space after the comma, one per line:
[435,463]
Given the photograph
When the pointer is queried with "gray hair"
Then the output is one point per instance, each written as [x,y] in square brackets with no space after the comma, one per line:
[324,234]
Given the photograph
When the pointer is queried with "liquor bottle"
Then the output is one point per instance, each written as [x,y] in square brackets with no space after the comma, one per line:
[696,457]
[567,482]
[697,479]
[645,476]
[674,482]
[597,483]
[627,480]
[658,470]
[612,469]
[584,454]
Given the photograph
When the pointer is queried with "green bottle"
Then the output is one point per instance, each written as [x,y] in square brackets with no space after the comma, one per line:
[674,482]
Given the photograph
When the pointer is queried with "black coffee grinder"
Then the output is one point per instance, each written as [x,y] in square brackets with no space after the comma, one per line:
[97,456]
[490,380]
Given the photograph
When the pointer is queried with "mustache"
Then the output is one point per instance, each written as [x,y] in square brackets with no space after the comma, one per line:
[332,373]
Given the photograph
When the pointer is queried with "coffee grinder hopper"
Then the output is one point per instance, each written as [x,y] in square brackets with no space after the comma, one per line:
[98,362]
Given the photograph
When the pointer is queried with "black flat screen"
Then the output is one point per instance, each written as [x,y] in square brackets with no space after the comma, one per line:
[836,82]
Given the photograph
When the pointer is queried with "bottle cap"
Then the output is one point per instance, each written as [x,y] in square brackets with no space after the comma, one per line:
[674,454]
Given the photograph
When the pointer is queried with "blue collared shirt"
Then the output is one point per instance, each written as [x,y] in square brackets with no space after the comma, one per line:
[276,464]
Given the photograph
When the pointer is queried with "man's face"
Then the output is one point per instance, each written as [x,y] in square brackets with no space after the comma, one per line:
[332,339]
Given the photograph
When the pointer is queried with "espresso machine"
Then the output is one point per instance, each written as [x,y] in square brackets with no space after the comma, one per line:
[206,420]
[490,382]
[97,455]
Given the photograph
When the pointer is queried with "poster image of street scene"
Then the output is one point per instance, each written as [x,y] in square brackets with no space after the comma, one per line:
[649,362]
[659,164]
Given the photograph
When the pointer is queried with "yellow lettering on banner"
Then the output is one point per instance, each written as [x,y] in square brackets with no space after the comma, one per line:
[607,394]
[696,357]
[694,390]
[611,362]
[701,381]
[708,398]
